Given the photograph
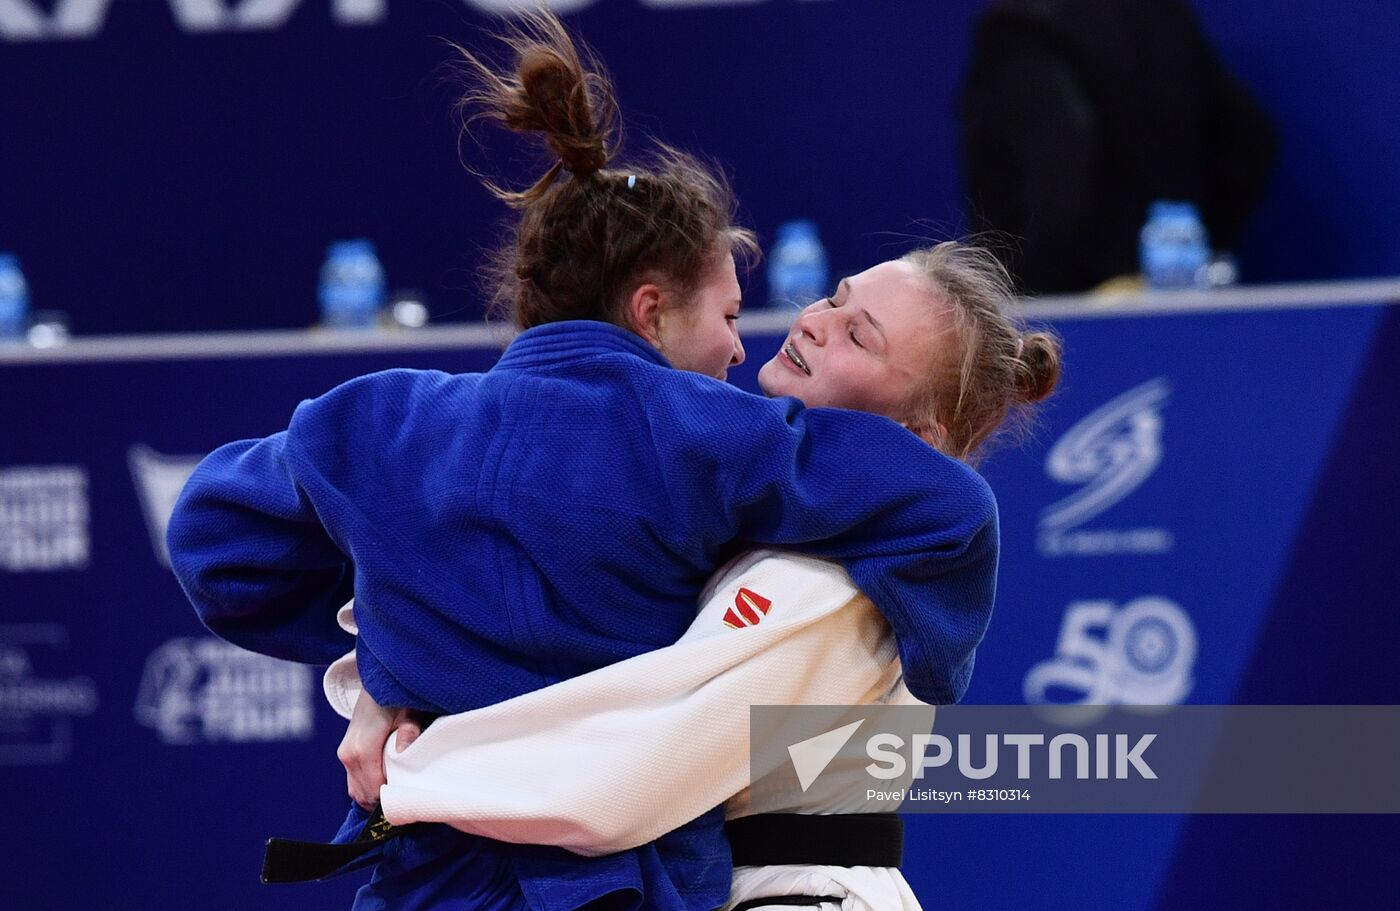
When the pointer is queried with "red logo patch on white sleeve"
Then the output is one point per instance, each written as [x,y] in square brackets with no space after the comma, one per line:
[749,608]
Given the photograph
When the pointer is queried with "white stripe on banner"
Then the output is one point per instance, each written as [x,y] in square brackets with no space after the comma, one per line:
[763,322]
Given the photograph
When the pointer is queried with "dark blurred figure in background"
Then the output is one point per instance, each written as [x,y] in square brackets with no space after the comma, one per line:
[1077,114]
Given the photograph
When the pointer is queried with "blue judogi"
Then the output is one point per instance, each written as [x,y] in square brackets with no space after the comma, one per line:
[504,531]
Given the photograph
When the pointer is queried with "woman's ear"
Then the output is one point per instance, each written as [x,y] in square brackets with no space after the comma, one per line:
[644,310]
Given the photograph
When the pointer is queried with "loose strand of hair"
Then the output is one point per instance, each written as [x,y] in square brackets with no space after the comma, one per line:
[499,93]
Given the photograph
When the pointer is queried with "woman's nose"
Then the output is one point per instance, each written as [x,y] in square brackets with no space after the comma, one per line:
[810,324]
[738,357]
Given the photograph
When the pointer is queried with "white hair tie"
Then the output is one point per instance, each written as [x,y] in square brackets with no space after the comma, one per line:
[1020,346]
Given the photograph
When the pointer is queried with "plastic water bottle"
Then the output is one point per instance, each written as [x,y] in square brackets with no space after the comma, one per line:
[14,300]
[797,272]
[352,286]
[1175,252]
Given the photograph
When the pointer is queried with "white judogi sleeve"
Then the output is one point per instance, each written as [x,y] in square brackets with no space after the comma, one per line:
[620,756]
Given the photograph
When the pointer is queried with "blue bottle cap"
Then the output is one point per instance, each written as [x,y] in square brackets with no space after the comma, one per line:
[357,247]
[802,228]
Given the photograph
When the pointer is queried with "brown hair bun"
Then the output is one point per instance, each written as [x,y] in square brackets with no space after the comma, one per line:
[578,247]
[554,90]
[1039,368]
[555,101]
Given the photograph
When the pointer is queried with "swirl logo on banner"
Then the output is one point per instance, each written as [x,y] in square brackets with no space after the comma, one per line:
[205,691]
[1112,451]
[25,20]
[1142,654]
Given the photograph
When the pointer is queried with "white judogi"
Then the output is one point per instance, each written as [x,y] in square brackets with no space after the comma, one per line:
[620,756]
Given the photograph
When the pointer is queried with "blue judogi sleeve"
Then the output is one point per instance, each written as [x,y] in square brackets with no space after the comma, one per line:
[916,530]
[267,535]
[254,547]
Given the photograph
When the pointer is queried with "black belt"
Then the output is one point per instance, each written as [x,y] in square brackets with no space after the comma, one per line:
[801,901]
[288,861]
[764,840]
[848,840]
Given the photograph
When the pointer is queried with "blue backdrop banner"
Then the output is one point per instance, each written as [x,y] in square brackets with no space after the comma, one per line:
[1206,514]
